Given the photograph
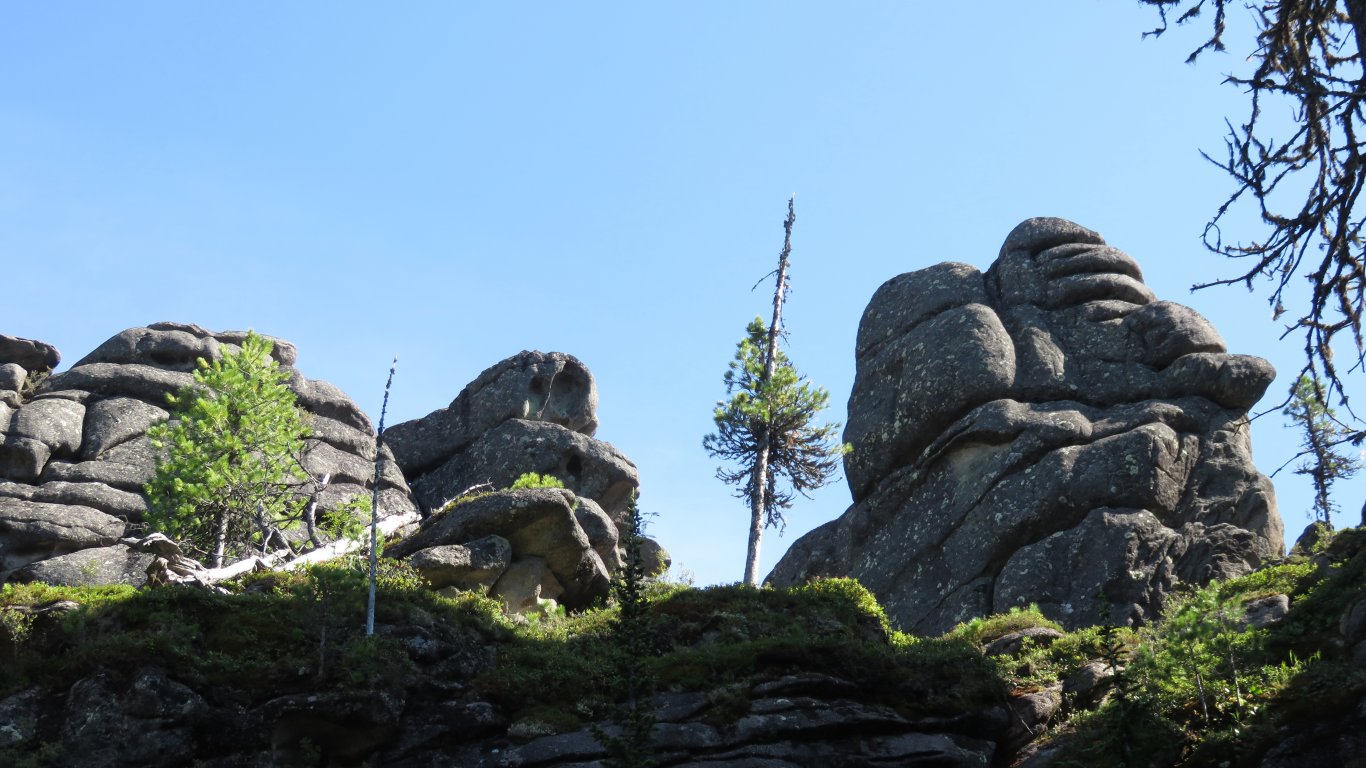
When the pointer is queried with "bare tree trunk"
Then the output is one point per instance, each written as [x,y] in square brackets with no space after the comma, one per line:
[220,544]
[756,513]
[374,503]
[311,517]
[759,483]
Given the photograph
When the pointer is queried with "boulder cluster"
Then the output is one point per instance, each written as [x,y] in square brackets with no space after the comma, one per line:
[531,413]
[1048,433]
[75,457]
[75,454]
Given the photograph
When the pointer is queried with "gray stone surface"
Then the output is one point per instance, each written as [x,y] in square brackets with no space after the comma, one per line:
[1265,612]
[537,523]
[467,566]
[114,421]
[1352,625]
[601,531]
[22,458]
[1039,433]
[537,386]
[31,531]
[1012,643]
[586,466]
[56,423]
[1033,711]
[177,347]
[656,557]
[97,566]
[95,495]
[28,354]
[81,442]
[12,376]
[127,466]
[143,382]
[145,727]
[524,584]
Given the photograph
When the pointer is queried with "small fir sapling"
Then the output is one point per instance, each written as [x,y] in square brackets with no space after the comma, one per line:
[631,632]
[1321,444]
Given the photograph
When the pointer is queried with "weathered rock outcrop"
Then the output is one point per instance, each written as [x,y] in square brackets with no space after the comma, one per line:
[74,457]
[1045,433]
[550,554]
[533,412]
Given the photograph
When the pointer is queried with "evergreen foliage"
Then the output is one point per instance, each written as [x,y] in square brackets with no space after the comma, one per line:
[783,409]
[1321,444]
[228,469]
[633,633]
[533,480]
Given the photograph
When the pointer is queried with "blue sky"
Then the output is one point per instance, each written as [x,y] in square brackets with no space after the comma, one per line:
[457,182]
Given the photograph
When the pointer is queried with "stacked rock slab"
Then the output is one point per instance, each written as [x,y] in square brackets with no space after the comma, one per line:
[1045,433]
[526,546]
[74,457]
[533,412]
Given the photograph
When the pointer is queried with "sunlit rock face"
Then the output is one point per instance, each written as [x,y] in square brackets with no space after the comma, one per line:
[1047,432]
[75,456]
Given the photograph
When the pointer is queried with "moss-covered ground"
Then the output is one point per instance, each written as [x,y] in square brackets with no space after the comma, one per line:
[1196,689]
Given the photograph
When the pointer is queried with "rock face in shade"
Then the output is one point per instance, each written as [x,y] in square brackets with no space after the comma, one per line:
[77,452]
[1045,433]
[533,412]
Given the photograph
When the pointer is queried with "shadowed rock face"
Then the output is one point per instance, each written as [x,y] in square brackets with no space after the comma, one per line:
[1045,433]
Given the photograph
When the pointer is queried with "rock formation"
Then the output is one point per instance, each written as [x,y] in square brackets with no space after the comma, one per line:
[533,412]
[1045,433]
[75,455]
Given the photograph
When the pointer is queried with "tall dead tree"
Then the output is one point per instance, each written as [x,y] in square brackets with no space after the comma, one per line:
[766,426]
[759,485]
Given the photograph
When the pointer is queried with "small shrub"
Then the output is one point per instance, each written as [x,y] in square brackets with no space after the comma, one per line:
[533,480]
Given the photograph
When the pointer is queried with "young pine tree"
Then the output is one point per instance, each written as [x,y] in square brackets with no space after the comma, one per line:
[227,473]
[635,715]
[1321,445]
[767,430]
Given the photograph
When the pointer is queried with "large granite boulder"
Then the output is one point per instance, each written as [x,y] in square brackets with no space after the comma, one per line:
[552,387]
[550,555]
[79,447]
[1045,433]
[533,412]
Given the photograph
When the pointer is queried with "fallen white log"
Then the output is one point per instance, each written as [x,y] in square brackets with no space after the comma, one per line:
[341,547]
[171,567]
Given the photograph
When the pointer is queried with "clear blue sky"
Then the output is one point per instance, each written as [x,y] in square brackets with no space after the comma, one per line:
[458,182]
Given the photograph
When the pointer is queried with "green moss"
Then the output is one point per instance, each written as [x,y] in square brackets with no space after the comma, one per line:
[249,643]
[983,630]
